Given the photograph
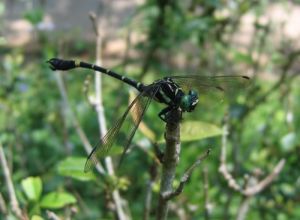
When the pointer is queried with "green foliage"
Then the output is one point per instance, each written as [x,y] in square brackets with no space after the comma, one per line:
[56,200]
[197,130]
[32,187]
[36,200]
[34,16]
[73,167]
[36,217]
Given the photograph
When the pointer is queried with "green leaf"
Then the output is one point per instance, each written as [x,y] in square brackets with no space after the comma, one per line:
[56,200]
[32,186]
[36,217]
[196,130]
[73,167]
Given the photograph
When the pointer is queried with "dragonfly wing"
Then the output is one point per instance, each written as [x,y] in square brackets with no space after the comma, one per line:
[138,106]
[217,83]
[138,111]
[214,87]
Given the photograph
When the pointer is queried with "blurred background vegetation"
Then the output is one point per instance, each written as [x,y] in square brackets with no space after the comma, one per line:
[147,40]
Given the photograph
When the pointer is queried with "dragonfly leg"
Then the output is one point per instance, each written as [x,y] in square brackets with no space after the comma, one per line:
[163,113]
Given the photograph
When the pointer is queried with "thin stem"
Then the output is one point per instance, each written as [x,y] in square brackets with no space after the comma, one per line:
[100,113]
[11,190]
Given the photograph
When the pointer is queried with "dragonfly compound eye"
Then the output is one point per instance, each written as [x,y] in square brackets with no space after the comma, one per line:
[189,102]
[193,100]
[185,102]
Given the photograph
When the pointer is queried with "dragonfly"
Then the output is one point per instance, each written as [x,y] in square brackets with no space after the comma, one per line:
[176,92]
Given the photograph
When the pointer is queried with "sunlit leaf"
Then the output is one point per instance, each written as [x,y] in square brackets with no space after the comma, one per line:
[197,130]
[32,186]
[36,217]
[56,200]
[73,167]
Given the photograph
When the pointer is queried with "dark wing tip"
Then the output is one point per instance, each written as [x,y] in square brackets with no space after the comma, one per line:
[246,77]
[87,167]
[220,88]
[89,164]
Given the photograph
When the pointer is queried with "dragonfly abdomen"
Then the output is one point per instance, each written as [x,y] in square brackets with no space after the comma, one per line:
[59,64]
[139,86]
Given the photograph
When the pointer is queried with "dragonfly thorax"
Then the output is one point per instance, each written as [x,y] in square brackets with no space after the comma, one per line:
[189,102]
[169,92]
[172,94]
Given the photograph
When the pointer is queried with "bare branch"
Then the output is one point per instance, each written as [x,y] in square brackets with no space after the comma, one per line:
[52,216]
[3,208]
[10,186]
[252,190]
[223,168]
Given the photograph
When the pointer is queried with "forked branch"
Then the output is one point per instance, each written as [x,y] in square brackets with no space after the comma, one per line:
[247,190]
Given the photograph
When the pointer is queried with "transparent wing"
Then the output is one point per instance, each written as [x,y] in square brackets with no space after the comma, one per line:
[221,83]
[212,86]
[138,107]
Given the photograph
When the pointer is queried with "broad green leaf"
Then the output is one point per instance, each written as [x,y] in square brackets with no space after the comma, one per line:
[36,217]
[56,200]
[73,167]
[32,186]
[197,130]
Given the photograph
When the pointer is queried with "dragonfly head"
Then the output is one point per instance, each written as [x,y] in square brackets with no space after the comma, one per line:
[189,102]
